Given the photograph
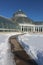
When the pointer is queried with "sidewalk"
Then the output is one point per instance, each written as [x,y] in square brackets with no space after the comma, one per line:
[20,56]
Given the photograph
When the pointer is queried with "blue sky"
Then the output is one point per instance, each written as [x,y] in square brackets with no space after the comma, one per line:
[32,8]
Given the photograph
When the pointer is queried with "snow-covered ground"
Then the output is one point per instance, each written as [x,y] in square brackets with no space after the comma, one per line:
[33,45]
[6,57]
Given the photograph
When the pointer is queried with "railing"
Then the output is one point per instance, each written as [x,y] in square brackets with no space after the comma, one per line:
[8,30]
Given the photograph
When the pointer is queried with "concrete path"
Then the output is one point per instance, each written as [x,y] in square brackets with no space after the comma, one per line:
[20,56]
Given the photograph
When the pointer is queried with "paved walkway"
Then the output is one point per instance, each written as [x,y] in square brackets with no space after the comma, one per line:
[20,56]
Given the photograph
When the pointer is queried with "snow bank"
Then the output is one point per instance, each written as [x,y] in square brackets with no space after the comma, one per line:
[33,45]
[6,57]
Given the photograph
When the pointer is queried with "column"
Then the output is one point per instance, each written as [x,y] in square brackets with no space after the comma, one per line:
[31,29]
[27,28]
[21,28]
[34,29]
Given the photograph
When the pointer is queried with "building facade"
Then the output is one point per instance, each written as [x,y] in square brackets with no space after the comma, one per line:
[31,28]
[26,24]
[20,23]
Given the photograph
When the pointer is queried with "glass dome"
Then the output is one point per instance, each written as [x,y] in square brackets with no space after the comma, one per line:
[19,13]
[20,17]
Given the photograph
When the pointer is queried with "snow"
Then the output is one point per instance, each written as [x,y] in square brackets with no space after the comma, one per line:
[33,45]
[6,57]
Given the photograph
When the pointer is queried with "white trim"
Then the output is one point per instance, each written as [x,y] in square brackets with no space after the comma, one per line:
[20,15]
[24,24]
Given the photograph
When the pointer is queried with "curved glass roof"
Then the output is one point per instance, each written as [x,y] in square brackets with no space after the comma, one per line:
[22,20]
[19,13]
[20,17]
[7,23]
